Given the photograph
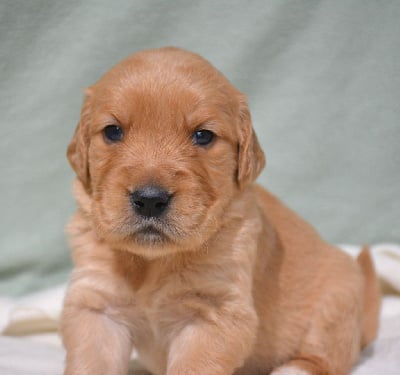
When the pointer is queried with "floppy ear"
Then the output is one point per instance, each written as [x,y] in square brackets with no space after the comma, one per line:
[78,148]
[251,159]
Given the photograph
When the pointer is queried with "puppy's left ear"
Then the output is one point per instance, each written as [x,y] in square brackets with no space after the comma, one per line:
[77,152]
[251,159]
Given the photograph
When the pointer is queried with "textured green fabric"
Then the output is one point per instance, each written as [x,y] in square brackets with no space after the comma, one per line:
[322,78]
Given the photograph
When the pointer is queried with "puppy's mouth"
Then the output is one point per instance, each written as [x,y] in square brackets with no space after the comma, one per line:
[149,234]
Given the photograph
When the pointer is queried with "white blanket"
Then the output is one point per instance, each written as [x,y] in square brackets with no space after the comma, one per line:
[30,344]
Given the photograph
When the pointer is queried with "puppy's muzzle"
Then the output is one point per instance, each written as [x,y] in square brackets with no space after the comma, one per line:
[150,201]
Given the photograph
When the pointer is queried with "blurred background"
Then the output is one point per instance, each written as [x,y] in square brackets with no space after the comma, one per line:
[322,79]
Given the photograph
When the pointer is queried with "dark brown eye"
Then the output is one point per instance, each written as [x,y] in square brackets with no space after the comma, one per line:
[203,137]
[113,133]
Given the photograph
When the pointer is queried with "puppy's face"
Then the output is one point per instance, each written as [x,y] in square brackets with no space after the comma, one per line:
[163,146]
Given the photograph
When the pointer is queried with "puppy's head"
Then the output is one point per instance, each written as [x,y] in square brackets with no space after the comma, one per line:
[163,146]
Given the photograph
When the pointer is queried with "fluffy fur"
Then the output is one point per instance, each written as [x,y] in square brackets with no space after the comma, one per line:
[229,280]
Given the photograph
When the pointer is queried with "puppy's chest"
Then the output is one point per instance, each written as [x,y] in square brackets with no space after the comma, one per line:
[159,314]
[170,297]
[158,304]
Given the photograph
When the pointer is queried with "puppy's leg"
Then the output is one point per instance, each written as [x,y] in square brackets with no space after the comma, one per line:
[304,366]
[214,347]
[95,333]
[332,343]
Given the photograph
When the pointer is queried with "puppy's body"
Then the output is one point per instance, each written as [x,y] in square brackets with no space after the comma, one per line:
[228,280]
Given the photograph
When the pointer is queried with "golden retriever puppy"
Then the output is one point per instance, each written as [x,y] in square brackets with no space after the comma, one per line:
[178,253]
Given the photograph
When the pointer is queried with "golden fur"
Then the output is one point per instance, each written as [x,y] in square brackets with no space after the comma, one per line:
[233,282]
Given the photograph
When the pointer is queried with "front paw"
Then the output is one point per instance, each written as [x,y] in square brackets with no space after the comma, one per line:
[289,370]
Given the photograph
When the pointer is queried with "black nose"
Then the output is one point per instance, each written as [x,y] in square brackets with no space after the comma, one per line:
[150,201]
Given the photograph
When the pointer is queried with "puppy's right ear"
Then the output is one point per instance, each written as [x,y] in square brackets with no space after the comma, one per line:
[251,157]
[78,148]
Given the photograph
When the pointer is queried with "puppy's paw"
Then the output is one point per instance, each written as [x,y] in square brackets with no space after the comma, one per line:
[289,370]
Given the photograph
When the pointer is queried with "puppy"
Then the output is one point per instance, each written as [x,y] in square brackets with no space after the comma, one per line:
[178,253]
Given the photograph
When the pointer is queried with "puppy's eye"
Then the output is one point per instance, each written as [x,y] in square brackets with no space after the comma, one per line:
[203,137]
[113,133]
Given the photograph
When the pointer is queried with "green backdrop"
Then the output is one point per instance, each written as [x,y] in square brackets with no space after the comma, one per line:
[322,78]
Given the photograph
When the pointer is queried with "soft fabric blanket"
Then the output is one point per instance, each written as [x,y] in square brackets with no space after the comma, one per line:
[31,345]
